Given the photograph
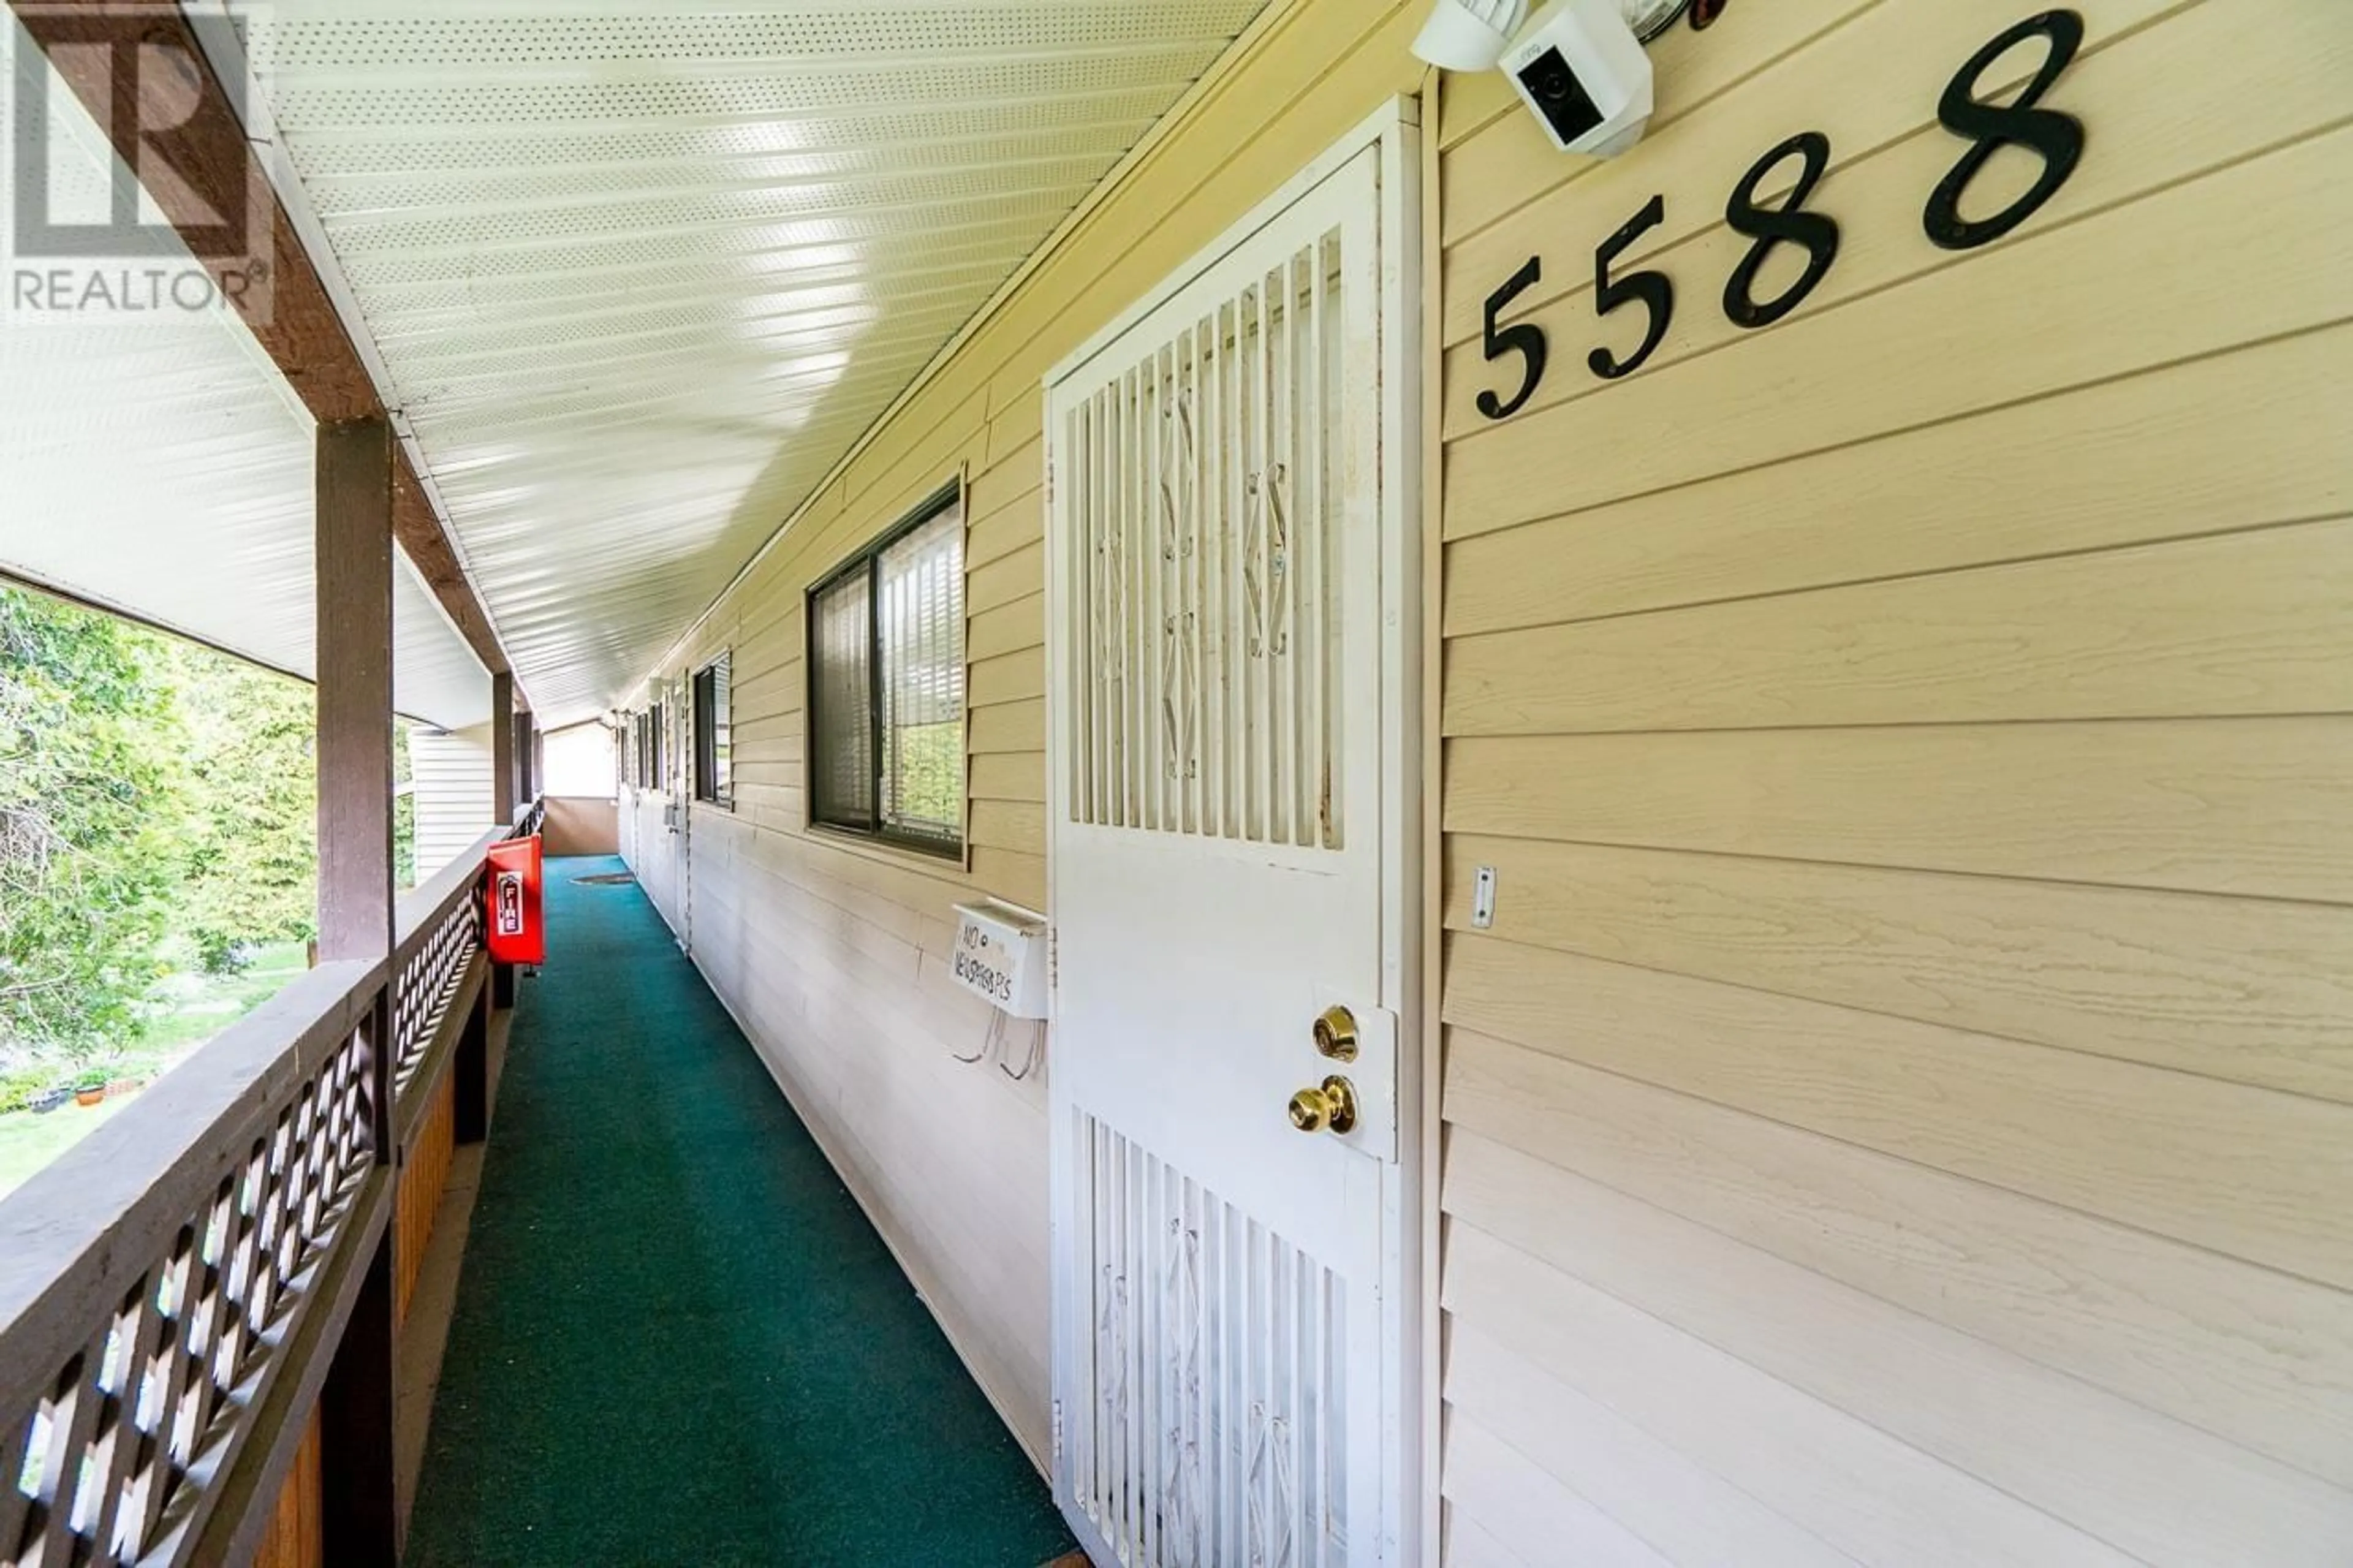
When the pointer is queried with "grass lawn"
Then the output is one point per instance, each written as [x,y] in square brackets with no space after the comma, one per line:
[211,1003]
[29,1142]
[203,1005]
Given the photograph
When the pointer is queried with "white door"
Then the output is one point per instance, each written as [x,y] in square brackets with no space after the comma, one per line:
[1233,609]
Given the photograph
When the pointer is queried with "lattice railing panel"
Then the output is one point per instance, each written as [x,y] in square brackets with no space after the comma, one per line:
[155,1285]
[119,1453]
[430,976]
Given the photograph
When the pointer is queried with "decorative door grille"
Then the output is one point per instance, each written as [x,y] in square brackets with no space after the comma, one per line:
[1215,1434]
[1205,539]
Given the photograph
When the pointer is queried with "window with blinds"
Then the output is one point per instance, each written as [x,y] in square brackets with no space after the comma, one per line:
[886,685]
[841,703]
[714,773]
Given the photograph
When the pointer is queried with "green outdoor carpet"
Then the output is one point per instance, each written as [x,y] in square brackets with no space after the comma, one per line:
[677,1340]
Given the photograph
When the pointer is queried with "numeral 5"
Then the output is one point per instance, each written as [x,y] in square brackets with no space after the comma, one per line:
[1654,290]
[1523,338]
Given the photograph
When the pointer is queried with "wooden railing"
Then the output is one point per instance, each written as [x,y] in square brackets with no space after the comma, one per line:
[442,970]
[440,931]
[177,1288]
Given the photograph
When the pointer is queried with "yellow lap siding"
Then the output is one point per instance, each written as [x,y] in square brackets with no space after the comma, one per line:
[1905,1077]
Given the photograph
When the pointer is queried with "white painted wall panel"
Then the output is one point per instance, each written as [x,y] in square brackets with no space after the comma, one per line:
[453,792]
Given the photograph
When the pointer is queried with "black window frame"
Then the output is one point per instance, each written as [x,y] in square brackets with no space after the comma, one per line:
[866,559]
[703,704]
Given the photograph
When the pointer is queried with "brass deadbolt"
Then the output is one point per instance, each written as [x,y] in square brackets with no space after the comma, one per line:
[1335,1034]
[1332,1107]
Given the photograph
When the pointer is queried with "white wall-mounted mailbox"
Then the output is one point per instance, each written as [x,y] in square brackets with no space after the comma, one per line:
[1000,955]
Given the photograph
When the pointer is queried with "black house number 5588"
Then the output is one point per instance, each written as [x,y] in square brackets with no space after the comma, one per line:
[2053,137]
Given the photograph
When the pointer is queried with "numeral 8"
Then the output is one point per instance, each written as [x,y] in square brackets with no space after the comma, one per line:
[2056,137]
[1769,226]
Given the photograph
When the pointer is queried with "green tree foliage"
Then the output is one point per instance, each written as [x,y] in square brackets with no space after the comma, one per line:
[929,786]
[251,861]
[403,810]
[157,800]
[90,825]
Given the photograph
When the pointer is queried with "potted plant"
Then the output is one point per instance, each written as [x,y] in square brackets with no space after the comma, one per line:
[89,1086]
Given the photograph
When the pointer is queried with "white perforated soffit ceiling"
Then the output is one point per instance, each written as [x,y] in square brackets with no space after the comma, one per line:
[640,275]
[166,470]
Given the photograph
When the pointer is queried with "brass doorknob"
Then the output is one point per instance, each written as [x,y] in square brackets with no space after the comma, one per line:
[1331,1107]
[1335,1034]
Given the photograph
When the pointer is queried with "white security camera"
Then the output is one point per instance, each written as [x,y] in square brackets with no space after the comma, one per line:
[1581,69]
[1469,35]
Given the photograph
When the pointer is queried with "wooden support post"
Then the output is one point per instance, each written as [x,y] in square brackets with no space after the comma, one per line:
[503,755]
[354,673]
[523,756]
[354,568]
[502,989]
[352,544]
[470,1070]
[360,1510]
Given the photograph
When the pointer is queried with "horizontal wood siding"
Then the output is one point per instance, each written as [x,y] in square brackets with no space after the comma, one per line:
[833,953]
[454,805]
[1902,1111]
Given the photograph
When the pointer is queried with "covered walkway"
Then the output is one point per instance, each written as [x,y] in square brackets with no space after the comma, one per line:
[677,1338]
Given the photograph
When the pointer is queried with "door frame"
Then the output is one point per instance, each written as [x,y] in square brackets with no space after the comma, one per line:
[1408,869]
[677,697]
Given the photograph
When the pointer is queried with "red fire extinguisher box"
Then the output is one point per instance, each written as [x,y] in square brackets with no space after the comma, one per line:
[512,916]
